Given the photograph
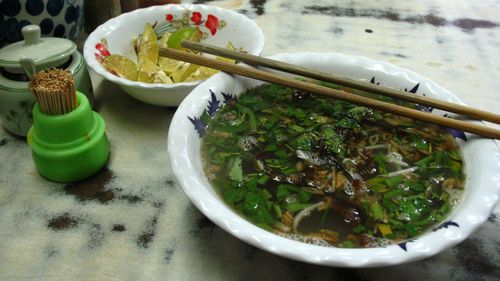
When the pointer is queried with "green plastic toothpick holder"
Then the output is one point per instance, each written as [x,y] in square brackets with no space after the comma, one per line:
[68,147]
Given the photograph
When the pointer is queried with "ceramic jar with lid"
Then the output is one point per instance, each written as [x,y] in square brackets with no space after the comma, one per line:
[16,99]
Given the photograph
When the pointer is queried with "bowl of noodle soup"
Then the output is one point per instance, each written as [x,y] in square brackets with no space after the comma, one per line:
[326,182]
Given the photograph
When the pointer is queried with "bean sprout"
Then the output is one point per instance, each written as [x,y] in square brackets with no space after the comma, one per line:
[304,213]
[402,172]
[377,146]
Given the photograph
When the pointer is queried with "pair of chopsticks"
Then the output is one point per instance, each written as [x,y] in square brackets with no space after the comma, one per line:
[337,94]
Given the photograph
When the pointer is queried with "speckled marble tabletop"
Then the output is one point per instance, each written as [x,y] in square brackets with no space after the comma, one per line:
[132,221]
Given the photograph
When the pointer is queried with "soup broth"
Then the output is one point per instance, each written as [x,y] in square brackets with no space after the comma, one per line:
[324,171]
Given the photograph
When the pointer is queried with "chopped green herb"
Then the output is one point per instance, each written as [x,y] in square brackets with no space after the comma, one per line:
[376,211]
[263,180]
[295,207]
[236,170]
[380,161]
[347,244]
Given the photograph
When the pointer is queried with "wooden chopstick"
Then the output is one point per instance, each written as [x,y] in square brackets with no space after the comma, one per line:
[360,85]
[329,92]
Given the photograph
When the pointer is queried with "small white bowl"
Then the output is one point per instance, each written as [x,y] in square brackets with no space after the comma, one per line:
[481,156]
[115,36]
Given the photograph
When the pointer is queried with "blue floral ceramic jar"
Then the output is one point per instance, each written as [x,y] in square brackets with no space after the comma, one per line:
[56,18]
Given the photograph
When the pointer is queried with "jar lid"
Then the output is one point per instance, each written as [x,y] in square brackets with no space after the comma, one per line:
[45,52]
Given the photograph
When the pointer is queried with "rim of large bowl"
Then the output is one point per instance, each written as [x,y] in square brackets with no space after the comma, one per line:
[98,33]
[421,247]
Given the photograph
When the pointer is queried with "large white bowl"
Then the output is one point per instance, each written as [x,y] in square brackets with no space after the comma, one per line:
[118,32]
[482,168]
